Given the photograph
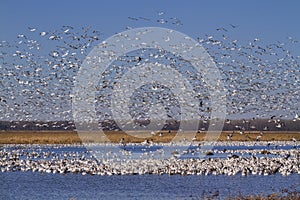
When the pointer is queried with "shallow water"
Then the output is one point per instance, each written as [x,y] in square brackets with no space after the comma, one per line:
[34,185]
[28,185]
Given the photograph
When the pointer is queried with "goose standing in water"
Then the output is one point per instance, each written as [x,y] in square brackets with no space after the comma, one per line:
[122,142]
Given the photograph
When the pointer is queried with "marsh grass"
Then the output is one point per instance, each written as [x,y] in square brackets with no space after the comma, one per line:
[290,195]
[69,137]
[284,194]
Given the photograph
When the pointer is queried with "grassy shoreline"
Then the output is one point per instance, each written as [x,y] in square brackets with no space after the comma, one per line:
[70,137]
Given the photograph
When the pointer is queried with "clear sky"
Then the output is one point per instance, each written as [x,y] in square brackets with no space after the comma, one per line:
[270,19]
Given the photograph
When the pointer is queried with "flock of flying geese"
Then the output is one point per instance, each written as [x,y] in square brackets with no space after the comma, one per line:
[39,68]
[38,71]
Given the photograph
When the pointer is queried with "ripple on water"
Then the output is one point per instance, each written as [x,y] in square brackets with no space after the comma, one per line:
[28,185]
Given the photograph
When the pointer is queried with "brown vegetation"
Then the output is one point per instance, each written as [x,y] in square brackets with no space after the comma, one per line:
[68,137]
[290,195]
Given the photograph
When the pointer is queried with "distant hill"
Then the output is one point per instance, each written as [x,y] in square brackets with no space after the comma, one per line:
[243,125]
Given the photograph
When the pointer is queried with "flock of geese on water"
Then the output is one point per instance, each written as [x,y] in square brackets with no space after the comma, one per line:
[253,159]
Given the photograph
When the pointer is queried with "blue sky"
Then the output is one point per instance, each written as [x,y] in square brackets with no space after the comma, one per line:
[270,20]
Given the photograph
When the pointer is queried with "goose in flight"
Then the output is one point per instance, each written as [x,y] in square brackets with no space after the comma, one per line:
[297,117]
